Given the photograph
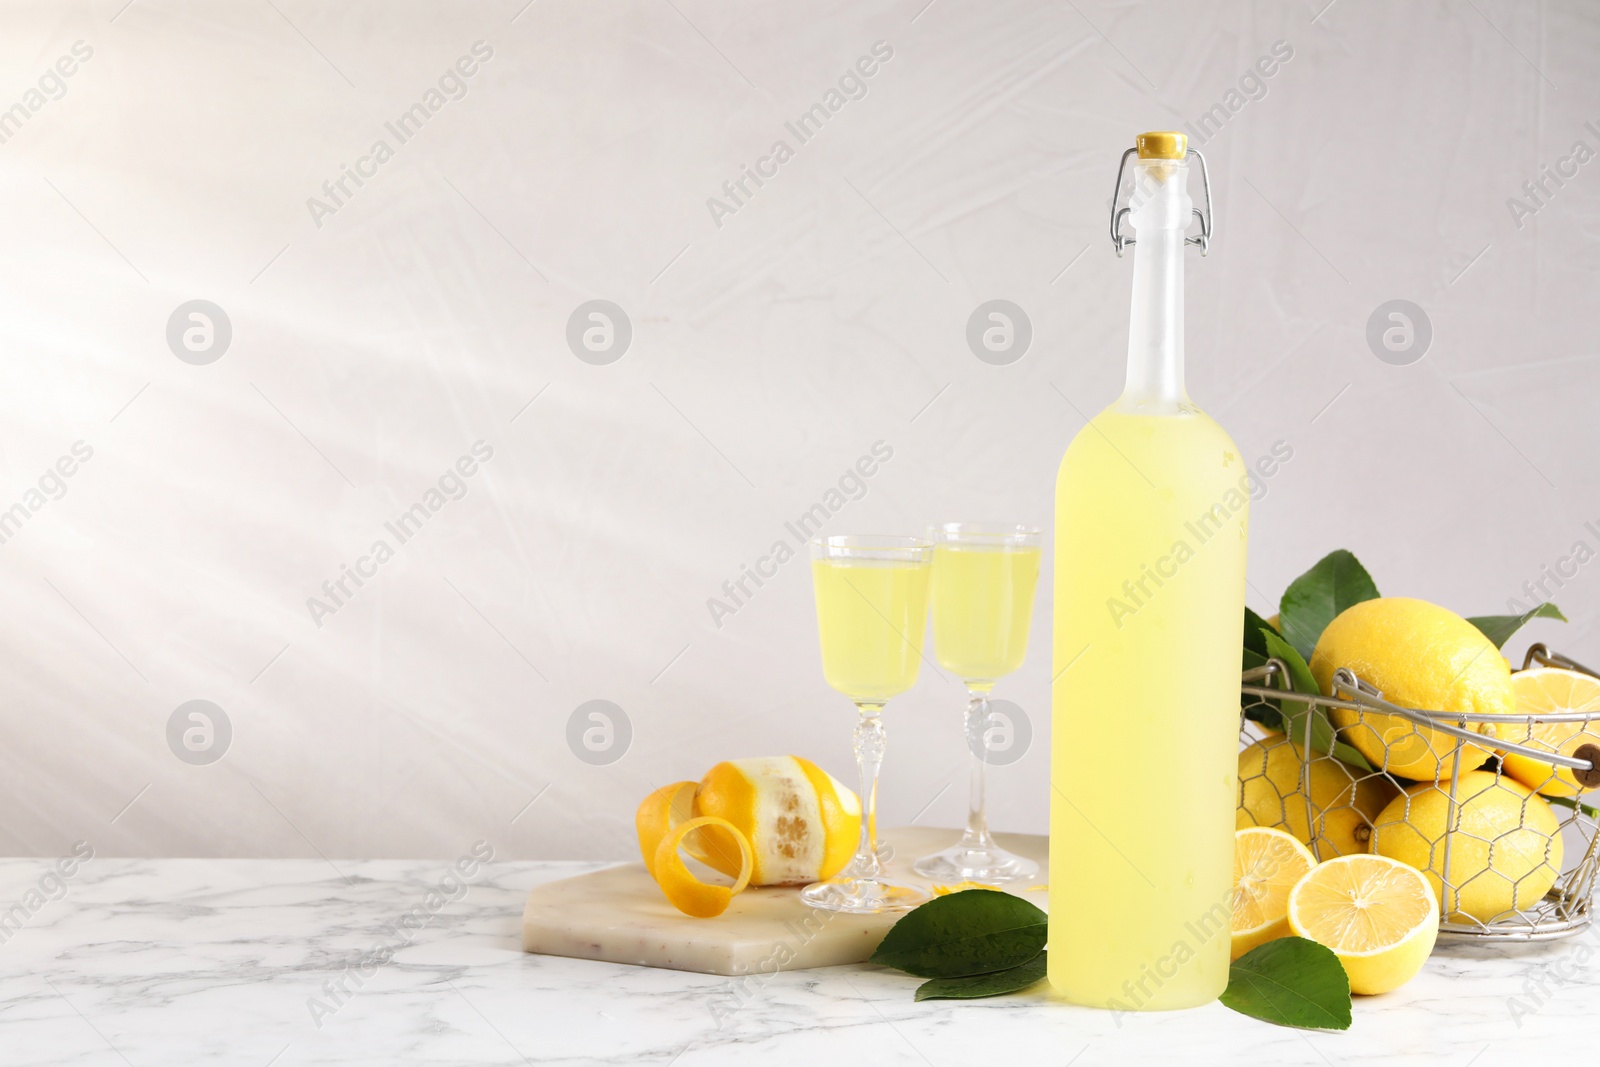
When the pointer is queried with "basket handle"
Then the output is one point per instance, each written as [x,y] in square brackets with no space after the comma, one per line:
[1584,762]
[1538,653]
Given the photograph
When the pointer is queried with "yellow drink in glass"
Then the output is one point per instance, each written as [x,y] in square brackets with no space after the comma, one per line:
[984,576]
[871,617]
[872,612]
[982,608]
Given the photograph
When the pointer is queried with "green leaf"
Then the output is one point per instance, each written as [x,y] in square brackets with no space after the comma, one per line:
[975,931]
[1499,628]
[1259,709]
[1300,677]
[1315,599]
[1353,757]
[1291,982]
[1301,680]
[1254,642]
[993,984]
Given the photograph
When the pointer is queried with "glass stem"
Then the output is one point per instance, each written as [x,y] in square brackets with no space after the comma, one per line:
[977,833]
[869,744]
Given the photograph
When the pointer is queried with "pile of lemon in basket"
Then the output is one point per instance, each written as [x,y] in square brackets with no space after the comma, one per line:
[1376,898]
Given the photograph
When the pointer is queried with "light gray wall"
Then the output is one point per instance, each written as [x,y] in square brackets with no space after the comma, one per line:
[373,345]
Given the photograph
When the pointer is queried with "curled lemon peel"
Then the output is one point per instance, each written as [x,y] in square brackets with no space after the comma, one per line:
[681,888]
[657,815]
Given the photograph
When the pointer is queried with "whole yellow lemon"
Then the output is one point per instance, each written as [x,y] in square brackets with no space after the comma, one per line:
[1504,843]
[1420,656]
[1346,801]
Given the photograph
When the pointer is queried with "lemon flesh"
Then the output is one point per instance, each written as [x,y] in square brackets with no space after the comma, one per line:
[1548,690]
[1346,801]
[1267,864]
[1379,916]
[1420,656]
[1504,843]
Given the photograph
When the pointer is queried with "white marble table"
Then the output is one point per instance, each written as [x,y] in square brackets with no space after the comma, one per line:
[171,962]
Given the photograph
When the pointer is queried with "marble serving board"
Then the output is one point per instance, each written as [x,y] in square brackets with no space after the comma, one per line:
[619,915]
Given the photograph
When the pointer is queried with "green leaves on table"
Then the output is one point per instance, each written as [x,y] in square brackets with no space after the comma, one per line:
[975,931]
[993,984]
[1499,628]
[975,943]
[1313,600]
[1292,982]
[984,943]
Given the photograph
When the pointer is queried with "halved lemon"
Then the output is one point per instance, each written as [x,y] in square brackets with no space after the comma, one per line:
[1378,915]
[1267,864]
[1547,690]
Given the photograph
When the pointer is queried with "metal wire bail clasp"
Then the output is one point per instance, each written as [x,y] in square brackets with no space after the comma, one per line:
[1207,228]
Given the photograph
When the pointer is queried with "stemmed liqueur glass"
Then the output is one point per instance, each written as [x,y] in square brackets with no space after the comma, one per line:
[984,576]
[872,613]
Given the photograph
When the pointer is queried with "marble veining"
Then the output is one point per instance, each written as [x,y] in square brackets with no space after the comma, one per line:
[257,962]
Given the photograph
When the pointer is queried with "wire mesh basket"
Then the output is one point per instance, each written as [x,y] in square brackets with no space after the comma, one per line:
[1493,808]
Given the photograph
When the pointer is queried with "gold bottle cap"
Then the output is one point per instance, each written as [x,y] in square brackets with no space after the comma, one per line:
[1162,144]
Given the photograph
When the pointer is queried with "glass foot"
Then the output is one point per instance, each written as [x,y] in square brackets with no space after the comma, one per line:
[863,896]
[964,863]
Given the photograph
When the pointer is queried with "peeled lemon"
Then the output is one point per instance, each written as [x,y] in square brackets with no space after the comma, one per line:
[802,823]
[1504,843]
[1547,690]
[1267,864]
[1378,915]
[1420,656]
[1345,800]
[775,820]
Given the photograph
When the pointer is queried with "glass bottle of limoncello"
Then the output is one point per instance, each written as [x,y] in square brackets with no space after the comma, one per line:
[1151,515]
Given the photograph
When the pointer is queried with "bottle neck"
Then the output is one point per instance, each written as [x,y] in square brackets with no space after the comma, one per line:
[1160,214]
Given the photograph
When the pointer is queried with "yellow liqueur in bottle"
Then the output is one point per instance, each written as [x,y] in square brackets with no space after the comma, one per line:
[1149,597]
